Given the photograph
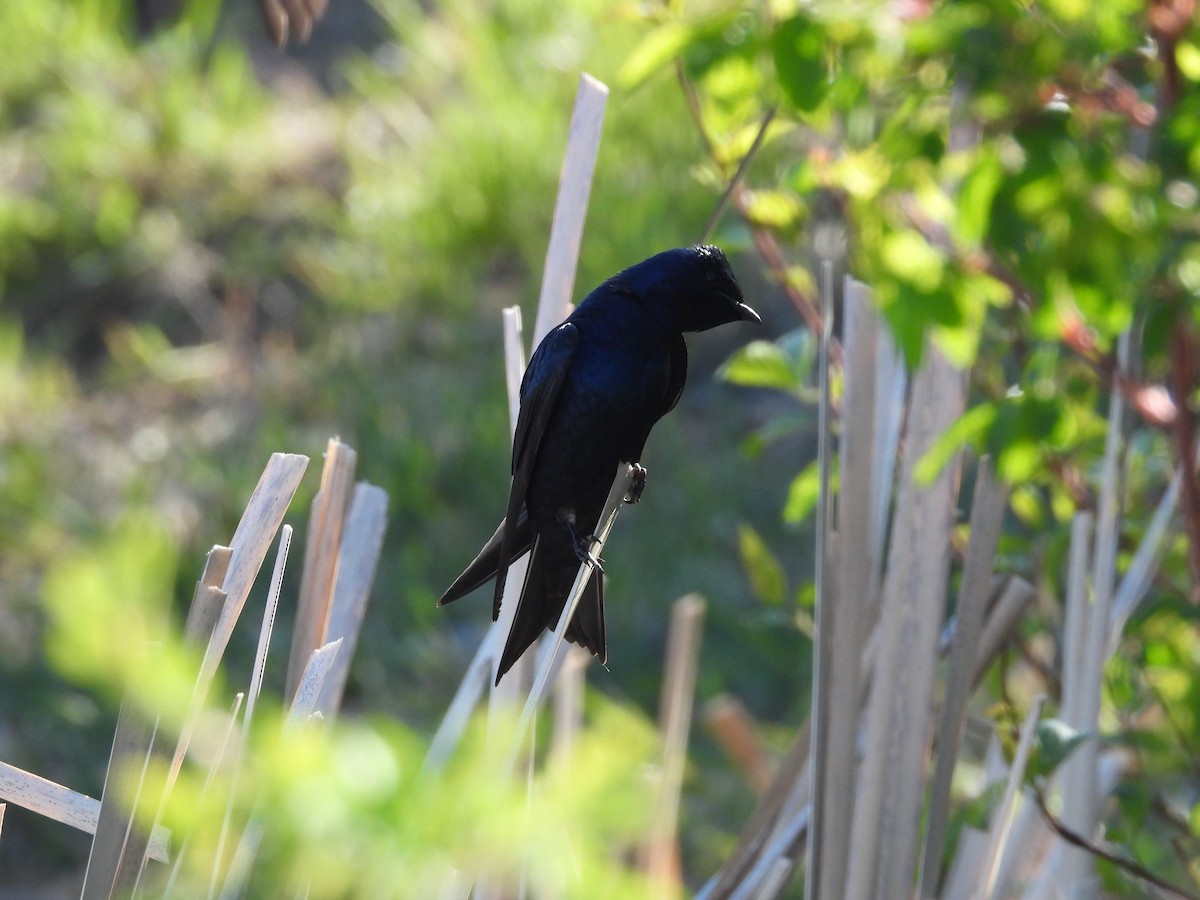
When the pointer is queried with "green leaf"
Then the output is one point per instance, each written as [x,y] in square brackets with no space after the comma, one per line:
[657,50]
[1054,742]
[975,196]
[805,490]
[969,429]
[799,49]
[777,210]
[669,42]
[767,579]
[761,364]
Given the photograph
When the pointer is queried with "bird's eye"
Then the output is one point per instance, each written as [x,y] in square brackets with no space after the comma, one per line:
[710,276]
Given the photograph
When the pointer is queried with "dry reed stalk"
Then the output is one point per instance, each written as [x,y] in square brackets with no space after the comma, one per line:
[110,868]
[218,760]
[505,698]
[790,777]
[825,588]
[568,702]
[888,800]
[1002,818]
[549,656]
[562,255]
[256,679]
[248,548]
[987,518]
[326,520]
[570,206]
[660,852]
[781,815]
[61,804]
[120,850]
[731,726]
[208,599]
[844,612]
[358,557]
[1084,676]
[302,711]
[251,542]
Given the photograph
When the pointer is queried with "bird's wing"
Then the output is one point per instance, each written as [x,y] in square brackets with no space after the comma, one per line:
[676,373]
[540,387]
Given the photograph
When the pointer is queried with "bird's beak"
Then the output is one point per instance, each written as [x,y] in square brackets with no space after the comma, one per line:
[746,314]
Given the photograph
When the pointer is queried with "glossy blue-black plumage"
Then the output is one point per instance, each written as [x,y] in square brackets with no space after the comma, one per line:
[591,393]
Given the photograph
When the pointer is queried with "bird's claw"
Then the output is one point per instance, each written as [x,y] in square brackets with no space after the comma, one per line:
[583,550]
[637,484]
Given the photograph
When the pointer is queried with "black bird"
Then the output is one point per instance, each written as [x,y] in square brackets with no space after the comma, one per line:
[595,386]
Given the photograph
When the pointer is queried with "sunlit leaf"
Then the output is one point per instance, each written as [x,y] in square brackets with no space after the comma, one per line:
[760,364]
[1053,743]
[799,46]
[767,579]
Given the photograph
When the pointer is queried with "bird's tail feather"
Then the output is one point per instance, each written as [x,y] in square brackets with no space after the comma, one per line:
[485,566]
[586,627]
[530,616]
[535,612]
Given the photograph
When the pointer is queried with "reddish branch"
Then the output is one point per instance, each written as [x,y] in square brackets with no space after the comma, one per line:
[806,305]
[1135,869]
[1183,383]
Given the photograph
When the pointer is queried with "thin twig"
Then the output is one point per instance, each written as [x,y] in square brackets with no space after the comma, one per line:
[764,241]
[735,182]
[1183,381]
[1136,870]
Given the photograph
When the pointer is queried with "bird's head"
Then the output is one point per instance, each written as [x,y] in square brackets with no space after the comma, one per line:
[690,288]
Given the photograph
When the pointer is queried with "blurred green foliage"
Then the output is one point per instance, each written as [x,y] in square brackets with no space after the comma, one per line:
[207,254]
[1017,183]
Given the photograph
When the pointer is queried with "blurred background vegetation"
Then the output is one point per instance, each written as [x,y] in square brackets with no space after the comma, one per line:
[211,250]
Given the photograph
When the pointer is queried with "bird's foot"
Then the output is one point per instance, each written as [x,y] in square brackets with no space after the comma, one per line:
[583,548]
[637,484]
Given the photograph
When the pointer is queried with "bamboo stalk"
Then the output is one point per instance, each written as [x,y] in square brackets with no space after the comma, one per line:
[568,702]
[1080,797]
[987,517]
[846,612]
[546,661]
[110,870]
[790,777]
[61,804]
[887,807]
[1003,818]
[505,697]
[660,853]
[208,599]
[248,548]
[210,777]
[362,542]
[326,520]
[514,363]
[728,721]
[256,679]
[570,207]
[825,589]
